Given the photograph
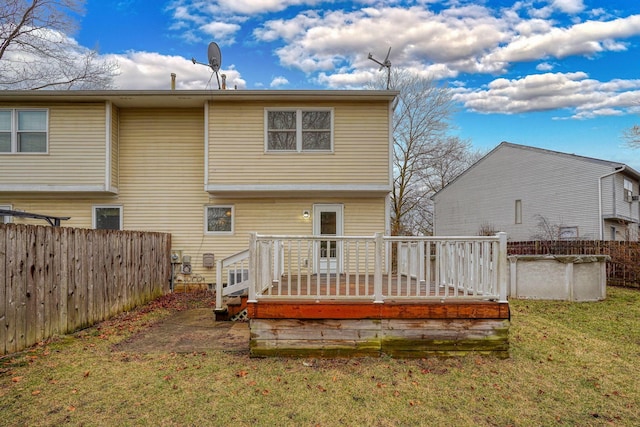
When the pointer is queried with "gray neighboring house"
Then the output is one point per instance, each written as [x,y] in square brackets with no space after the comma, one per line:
[514,186]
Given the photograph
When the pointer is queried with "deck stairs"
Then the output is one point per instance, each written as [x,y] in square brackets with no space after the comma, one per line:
[234,308]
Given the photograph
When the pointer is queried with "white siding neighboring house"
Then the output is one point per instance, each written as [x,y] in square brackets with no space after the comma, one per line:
[515,188]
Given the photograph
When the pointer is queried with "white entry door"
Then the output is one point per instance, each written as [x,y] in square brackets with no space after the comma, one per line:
[327,221]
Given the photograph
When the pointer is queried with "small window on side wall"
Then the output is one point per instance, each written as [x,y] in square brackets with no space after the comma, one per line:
[107,217]
[568,233]
[518,211]
[219,219]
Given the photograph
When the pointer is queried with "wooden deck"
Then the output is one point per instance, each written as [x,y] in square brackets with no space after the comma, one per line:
[329,316]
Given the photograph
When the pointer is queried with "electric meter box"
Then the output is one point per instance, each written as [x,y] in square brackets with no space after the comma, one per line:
[208,260]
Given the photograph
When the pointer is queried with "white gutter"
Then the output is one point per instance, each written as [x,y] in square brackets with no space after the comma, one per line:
[600,220]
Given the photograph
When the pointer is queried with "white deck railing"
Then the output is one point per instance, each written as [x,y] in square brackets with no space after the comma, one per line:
[377,267]
[232,276]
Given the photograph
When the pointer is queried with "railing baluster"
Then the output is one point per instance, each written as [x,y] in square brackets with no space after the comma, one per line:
[288,261]
[366,268]
[357,268]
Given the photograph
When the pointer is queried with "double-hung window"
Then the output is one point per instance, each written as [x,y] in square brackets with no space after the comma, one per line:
[23,131]
[299,130]
[628,190]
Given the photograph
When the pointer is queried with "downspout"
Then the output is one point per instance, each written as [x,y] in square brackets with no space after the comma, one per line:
[600,220]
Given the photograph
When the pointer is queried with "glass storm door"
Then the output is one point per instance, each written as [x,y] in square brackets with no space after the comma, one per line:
[327,221]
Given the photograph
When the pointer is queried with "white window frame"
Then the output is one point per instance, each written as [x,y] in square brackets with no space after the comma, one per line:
[206,219]
[568,232]
[298,130]
[628,190]
[94,216]
[234,275]
[6,218]
[15,131]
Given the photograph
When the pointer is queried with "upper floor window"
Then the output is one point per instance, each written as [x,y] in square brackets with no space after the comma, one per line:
[107,217]
[628,190]
[219,219]
[23,131]
[299,130]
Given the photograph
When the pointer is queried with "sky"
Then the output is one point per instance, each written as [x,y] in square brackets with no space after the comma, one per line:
[556,74]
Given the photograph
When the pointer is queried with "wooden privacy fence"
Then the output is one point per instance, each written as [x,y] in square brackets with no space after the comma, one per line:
[623,269]
[55,280]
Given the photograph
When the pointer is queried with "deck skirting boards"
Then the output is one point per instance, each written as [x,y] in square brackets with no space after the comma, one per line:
[402,338]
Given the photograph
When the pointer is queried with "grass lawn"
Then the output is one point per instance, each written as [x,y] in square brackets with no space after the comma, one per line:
[572,364]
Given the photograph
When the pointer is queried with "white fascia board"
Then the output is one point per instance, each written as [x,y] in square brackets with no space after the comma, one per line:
[44,188]
[231,188]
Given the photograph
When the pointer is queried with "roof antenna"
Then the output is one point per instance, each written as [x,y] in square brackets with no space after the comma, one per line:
[384,64]
[215,59]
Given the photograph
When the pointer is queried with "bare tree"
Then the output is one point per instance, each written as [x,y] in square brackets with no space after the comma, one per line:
[632,136]
[36,51]
[425,157]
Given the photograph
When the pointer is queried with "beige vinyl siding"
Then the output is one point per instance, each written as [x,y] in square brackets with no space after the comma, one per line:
[115,146]
[237,147]
[160,165]
[183,216]
[76,150]
[161,170]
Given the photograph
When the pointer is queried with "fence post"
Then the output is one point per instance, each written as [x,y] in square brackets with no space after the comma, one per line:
[377,268]
[502,266]
[253,267]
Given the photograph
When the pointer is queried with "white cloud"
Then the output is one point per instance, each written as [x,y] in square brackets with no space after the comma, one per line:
[251,7]
[279,81]
[222,32]
[568,6]
[544,66]
[455,39]
[470,39]
[149,70]
[582,39]
[553,91]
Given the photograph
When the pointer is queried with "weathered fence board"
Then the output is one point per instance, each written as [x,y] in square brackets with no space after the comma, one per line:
[57,279]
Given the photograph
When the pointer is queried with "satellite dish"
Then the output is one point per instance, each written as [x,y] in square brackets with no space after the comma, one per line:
[215,59]
[384,64]
[215,56]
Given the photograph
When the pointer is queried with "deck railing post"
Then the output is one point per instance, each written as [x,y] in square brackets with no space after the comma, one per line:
[377,268]
[254,274]
[219,285]
[502,266]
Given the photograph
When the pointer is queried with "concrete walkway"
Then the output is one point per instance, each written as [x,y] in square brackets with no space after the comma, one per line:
[189,331]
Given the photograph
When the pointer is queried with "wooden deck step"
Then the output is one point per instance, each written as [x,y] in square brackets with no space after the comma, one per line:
[234,306]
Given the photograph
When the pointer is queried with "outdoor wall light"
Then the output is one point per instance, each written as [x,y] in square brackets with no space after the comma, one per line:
[306,214]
